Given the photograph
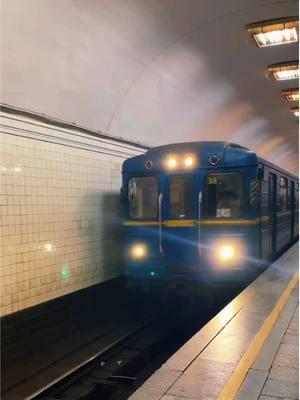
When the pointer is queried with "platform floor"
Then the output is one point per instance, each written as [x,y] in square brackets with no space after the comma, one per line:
[281,379]
[248,351]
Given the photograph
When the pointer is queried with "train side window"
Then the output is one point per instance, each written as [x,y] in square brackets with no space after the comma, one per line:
[181,197]
[143,197]
[283,193]
[224,195]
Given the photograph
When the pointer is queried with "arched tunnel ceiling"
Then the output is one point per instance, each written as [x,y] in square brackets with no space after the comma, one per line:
[155,71]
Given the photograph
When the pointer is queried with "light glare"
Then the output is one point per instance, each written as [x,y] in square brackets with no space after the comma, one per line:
[172,163]
[48,247]
[189,161]
[226,252]
[65,270]
[138,251]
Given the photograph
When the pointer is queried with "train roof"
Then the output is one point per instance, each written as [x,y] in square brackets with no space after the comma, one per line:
[278,169]
[197,146]
[229,155]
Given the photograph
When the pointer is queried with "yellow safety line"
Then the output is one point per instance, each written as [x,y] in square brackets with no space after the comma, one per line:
[233,384]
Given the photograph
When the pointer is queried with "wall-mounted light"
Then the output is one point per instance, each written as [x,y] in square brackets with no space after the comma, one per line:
[285,71]
[295,111]
[49,247]
[291,94]
[274,32]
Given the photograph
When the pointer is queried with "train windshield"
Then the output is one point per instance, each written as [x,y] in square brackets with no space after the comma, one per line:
[224,195]
[181,197]
[143,197]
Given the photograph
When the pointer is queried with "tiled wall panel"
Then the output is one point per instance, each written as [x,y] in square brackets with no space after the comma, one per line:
[59,210]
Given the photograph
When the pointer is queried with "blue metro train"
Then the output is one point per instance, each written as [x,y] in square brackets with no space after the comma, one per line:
[204,210]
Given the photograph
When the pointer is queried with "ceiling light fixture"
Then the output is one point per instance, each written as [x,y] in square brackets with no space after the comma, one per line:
[274,32]
[285,71]
[291,94]
[295,111]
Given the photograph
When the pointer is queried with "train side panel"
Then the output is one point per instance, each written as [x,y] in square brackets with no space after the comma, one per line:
[279,211]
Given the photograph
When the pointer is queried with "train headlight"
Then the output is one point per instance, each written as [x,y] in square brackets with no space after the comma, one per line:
[138,251]
[171,162]
[189,162]
[226,252]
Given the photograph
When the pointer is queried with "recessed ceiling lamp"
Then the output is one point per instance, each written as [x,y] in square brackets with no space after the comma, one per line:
[295,111]
[274,32]
[291,94]
[285,71]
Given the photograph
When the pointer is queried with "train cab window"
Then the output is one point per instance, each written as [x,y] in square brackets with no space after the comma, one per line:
[224,195]
[143,197]
[181,197]
[283,193]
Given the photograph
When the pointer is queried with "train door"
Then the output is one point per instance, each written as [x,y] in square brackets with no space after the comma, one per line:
[264,219]
[296,211]
[292,205]
[180,232]
[272,214]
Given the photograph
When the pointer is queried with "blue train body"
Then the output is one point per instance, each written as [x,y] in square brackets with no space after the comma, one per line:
[204,211]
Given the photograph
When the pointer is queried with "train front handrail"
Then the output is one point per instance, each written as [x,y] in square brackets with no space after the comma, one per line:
[160,199]
[199,219]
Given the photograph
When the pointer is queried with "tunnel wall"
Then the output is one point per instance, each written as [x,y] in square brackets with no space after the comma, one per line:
[59,208]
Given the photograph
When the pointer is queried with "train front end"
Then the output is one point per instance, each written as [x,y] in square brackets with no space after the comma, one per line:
[190,213]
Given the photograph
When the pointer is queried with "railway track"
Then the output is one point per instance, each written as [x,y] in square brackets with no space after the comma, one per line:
[118,370]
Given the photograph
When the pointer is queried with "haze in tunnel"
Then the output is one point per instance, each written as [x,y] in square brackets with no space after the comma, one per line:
[154,71]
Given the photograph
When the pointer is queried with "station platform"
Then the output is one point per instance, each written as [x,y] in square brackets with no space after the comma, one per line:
[248,351]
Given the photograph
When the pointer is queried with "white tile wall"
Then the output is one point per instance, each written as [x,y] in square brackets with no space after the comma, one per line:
[59,210]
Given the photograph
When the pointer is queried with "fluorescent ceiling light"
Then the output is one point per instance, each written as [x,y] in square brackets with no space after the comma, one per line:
[291,94]
[274,32]
[285,71]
